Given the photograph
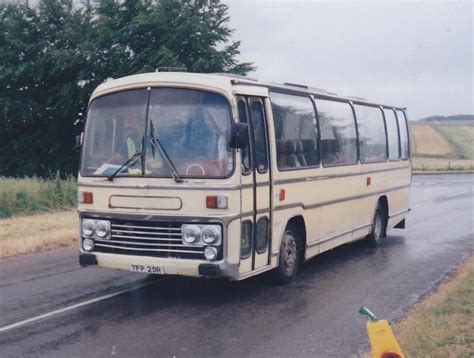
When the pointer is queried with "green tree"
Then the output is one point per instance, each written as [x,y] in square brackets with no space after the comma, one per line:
[53,57]
[40,92]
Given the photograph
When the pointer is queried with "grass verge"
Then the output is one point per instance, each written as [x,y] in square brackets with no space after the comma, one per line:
[442,164]
[41,232]
[442,325]
[25,196]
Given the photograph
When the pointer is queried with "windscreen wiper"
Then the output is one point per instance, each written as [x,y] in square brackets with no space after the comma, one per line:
[156,144]
[132,159]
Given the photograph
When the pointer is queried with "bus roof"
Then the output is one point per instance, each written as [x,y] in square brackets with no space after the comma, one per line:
[221,81]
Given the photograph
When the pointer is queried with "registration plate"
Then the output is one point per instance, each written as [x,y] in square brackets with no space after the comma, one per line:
[158,270]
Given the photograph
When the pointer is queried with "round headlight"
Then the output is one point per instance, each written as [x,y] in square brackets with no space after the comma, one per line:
[210,234]
[210,253]
[102,229]
[88,227]
[88,244]
[191,234]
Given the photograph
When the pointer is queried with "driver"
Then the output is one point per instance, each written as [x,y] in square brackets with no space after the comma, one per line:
[132,143]
[132,135]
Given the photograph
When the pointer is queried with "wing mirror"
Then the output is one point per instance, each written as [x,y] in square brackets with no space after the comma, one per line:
[239,136]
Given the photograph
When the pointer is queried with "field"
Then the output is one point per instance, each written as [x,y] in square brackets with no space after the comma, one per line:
[438,147]
[25,196]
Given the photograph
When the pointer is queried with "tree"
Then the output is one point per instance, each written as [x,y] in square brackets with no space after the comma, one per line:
[52,58]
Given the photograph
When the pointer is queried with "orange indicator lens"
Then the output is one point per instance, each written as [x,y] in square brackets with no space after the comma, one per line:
[88,198]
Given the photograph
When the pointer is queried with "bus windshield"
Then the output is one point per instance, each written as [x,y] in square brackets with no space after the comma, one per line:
[191,126]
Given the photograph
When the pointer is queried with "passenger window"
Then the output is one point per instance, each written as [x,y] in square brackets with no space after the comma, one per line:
[338,133]
[392,134]
[296,131]
[372,136]
[402,124]
[260,138]
[245,152]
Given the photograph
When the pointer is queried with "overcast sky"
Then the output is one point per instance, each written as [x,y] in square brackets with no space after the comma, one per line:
[413,54]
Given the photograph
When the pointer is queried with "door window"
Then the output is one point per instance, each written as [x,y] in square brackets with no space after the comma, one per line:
[262,235]
[245,152]
[260,137]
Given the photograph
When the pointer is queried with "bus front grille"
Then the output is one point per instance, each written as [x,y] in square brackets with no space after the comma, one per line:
[142,238]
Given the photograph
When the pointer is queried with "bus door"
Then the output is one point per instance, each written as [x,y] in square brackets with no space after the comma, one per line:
[256,187]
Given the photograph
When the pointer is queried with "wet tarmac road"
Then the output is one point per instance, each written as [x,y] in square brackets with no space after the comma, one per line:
[125,314]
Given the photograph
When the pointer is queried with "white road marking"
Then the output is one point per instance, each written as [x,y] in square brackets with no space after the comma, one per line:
[422,203]
[439,197]
[70,308]
[455,194]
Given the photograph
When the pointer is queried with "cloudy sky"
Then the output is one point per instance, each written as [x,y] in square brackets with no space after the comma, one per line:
[417,54]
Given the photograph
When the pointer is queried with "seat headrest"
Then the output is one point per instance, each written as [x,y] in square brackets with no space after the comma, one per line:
[309,145]
[299,146]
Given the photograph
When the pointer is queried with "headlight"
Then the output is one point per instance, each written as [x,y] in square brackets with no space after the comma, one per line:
[88,244]
[96,228]
[210,234]
[191,233]
[210,253]
[88,227]
[195,234]
[102,228]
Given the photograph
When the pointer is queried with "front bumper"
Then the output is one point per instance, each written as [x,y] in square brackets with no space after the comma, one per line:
[183,267]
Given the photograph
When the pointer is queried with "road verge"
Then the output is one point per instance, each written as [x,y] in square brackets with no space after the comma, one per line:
[42,232]
[442,324]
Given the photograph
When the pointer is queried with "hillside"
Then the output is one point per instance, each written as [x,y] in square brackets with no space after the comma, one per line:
[448,119]
[443,145]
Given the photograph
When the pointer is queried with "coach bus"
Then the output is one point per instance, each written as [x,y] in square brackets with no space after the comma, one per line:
[215,175]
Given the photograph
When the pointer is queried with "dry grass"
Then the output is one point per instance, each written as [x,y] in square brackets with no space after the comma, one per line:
[41,232]
[428,142]
[442,325]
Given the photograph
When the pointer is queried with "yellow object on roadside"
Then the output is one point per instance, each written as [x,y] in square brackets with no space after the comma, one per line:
[382,340]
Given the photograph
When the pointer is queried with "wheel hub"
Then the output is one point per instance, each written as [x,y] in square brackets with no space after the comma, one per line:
[289,252]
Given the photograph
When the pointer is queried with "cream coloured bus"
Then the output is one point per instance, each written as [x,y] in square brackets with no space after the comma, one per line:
[212,175]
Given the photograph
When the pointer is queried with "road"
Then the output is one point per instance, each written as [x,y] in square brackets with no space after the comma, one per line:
[104,312]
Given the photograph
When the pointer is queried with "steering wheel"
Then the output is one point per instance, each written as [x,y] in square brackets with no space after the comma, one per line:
[199,166]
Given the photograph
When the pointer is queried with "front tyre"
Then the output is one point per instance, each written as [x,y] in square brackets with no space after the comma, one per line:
[289,257]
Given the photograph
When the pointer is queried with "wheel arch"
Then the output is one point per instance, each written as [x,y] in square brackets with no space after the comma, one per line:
[298,222]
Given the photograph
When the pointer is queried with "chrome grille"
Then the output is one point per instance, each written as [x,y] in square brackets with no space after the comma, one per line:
[143,238]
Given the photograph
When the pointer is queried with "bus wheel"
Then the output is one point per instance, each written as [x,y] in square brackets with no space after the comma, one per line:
[377,230]
[289,256]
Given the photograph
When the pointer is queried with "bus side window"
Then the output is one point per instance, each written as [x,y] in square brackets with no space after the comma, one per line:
[402,124]
[372,136]
[338,133]
[392,134]
[245,153]
[296,131]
